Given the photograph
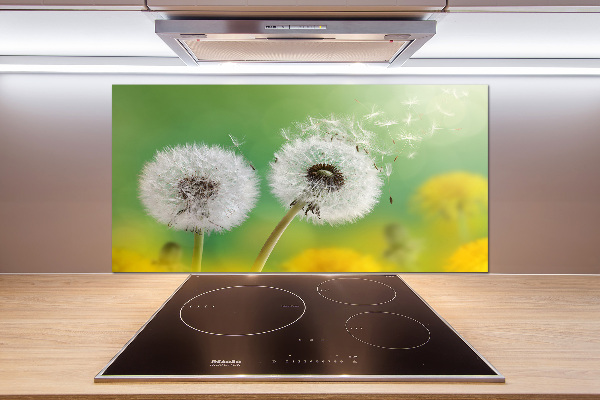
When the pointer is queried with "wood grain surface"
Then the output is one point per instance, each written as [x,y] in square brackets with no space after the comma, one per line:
[542,332]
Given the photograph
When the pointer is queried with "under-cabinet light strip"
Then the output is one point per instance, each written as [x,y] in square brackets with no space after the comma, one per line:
[296,69]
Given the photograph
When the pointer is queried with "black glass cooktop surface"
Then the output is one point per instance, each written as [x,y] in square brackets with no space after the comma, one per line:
[297,327]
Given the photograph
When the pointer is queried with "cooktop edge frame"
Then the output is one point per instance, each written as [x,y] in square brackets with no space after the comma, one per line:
[100,378]
[301,378]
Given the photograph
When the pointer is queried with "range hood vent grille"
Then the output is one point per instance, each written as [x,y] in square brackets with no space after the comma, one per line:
[318,51]
[384,42]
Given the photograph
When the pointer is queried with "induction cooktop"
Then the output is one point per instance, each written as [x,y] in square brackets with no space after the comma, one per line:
[308,327]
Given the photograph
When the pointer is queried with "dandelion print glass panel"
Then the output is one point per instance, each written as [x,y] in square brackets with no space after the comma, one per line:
[300,178]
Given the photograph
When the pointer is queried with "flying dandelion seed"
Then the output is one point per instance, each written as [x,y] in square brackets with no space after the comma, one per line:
[236,143]
[411,155]
[386,123]
[444,112]
[413,101]
[348,129]
[410,138]
[434,127]
[455,93]
[362,134]
[374,113]
[387,170]
[408,120]
[328,180]
[199,189]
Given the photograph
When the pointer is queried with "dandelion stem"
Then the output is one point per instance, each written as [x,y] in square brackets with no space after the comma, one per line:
[266,250]
[197,255]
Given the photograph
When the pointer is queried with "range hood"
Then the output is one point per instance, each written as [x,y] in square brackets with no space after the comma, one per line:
[389,42]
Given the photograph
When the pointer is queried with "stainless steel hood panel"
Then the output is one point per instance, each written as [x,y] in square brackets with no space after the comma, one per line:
[330,41]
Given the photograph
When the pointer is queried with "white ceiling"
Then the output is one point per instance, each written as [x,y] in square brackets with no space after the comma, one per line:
[460,35]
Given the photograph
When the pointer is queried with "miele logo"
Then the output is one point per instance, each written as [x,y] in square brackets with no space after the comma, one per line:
[226,363]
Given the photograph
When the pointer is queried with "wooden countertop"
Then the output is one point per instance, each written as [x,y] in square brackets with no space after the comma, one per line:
[541,332]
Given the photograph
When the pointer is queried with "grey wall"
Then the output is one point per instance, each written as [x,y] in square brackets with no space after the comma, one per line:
[55,168]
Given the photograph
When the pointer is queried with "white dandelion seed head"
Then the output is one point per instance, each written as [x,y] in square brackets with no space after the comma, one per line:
[198,188]
[338,183]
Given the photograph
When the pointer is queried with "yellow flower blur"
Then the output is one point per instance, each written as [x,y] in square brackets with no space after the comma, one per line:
[332,259]
[470,257]
[453,195]
[130,261]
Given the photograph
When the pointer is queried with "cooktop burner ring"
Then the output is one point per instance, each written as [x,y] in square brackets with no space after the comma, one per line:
[354,303]
[242,334]
[388,347]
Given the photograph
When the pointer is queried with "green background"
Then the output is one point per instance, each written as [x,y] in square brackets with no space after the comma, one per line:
[147,118]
